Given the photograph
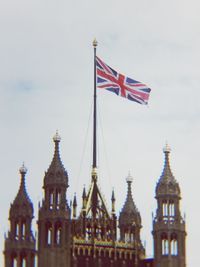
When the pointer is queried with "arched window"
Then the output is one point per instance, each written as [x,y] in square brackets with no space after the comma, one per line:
[23,230]
[58,236]
[49,233]
[58,231]
[174,245]
[16,230]
[51,199]
[165,244]
[58,198]
[171,208]
[165,208]
[23,262]
[14,262]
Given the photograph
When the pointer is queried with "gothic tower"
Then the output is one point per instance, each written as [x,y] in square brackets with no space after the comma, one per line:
[54,216]
[130,224]
[168,225]
[20,243]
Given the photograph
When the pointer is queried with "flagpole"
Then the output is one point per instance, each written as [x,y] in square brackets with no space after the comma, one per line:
[94,165]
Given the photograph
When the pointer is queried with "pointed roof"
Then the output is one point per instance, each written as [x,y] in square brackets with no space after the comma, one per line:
[22,204]
[129,214]
[56,173]
[94,200]
[167,184]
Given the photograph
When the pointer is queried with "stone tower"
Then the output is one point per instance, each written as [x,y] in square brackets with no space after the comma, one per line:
[20,244]
[168,225]
[54,216]
[130,224]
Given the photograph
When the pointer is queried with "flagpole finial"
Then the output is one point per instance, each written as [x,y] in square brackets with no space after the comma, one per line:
[95,43]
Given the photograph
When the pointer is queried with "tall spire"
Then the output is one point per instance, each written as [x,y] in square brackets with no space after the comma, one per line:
[22,197]
[56,172]
[129,213]
[167,183]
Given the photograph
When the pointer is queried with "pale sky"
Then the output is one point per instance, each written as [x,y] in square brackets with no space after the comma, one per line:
[46,83]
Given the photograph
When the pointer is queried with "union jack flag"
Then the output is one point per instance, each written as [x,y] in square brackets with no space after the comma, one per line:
[111,80]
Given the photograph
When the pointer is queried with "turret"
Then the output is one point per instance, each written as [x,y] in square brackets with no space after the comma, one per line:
[129,218]
[130,223]
[54,215]
[20,243]
[168,224]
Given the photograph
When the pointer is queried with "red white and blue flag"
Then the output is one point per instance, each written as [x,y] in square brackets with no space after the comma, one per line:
[111,80]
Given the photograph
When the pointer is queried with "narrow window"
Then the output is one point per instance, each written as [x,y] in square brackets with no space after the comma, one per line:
[174,245]
[58,236]
[49,235]
[16,230]
[171,209]
[57,233]
[165,208]
[58,199]
[23,230]
[51,200]
[165,245]
[14,262]
[23,262]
